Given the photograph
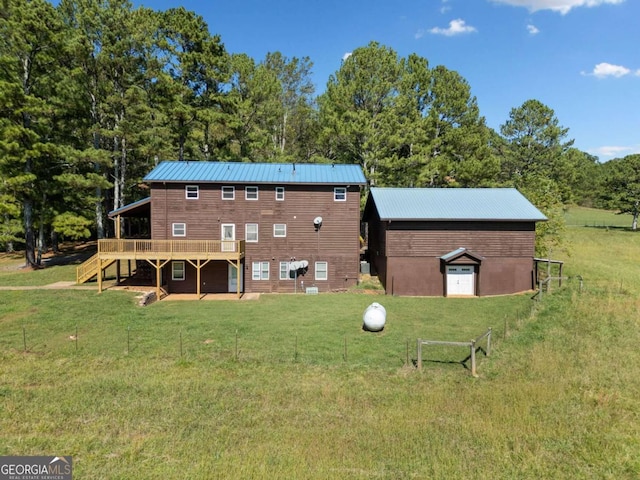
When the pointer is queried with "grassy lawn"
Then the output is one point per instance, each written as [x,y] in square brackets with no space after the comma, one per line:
[61,267]
[592,217]
[289,386]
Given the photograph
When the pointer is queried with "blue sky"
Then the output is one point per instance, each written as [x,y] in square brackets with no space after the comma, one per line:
[579,57]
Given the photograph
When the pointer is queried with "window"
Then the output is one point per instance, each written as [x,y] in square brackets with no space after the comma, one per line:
[284,271]
[260,270]
[192,192]
[228,193]
[279,229]
[322,271]
[280,194]
[251,232]
[251,193]
[177,271]
[340,194]
[179,229]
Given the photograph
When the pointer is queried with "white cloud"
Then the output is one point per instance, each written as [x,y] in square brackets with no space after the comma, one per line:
[603,70]
[419,34]
[532,29]
[456,27]
[610,152]
[561,6]
[345,56]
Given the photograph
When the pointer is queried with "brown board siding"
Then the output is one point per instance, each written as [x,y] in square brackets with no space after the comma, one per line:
[213,278]
[406,255]
[340,275]
[506,275]
[426,276]
[414,277]
[336,242]
[488,239]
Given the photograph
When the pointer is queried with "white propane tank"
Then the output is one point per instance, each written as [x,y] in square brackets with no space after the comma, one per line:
[374,317]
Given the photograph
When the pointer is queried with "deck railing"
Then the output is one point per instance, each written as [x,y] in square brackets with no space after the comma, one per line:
[170,248]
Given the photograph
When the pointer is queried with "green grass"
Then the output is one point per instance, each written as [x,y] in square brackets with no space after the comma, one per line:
[558,398]
[312,330]
[592,217]
[14,273]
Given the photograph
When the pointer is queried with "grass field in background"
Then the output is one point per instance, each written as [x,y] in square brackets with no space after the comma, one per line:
[592,217]
[266,389]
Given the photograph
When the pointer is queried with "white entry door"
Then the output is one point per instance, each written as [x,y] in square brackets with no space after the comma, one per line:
[233,279]
[228,237]
[460,280]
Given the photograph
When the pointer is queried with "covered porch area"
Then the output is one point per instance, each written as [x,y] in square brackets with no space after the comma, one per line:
[157,254]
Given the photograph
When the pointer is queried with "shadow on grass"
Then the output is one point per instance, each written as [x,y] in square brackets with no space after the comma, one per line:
[462,362]
[72,255]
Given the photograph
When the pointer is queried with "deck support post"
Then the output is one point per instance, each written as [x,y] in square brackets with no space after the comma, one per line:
[99,275]
[238,279]
[198,266]
[158,278]
[198,277]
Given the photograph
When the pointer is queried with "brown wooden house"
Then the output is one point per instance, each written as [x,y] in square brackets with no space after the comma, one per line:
[451,241]
[218,227]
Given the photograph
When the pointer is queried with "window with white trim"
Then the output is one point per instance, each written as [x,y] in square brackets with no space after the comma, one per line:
[191,192]
[340,194]
[279,229]
[228,193]
[251,193]
[260,270]
[280,194]
[177,271]
[251,232]
[284,271]
[179,229]
[322,271]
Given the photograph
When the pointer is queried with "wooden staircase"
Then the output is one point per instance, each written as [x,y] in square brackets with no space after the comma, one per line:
[89,269]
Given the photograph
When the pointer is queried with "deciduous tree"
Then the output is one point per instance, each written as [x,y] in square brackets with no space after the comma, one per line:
[622,180]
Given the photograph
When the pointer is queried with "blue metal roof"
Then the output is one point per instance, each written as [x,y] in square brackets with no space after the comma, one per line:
[502,204]
[278,173]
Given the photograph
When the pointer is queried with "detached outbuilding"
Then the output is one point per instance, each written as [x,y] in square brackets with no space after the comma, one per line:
[451,241]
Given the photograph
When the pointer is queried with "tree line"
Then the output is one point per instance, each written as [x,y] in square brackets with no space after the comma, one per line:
[93,93]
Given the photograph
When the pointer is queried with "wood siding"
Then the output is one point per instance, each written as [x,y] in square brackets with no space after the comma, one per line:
[336,242]
[489,239]
[406,255]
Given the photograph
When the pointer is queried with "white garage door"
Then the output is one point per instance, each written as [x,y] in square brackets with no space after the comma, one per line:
[460,280]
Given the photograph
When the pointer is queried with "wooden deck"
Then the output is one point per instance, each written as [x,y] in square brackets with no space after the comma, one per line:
[158,253]
[119,249]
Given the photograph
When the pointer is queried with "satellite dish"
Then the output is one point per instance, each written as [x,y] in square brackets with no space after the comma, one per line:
[317,221]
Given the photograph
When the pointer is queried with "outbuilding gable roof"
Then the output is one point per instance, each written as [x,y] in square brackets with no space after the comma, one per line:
[461,252]
[277,173]
[455,204]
